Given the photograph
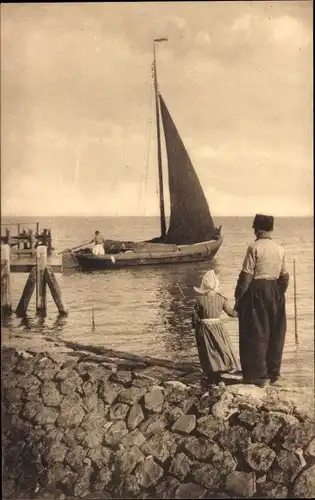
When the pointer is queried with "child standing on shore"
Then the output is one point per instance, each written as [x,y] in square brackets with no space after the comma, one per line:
[213,343]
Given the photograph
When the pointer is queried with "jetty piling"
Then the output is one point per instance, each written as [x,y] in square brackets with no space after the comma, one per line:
[6,304]
[27,294]
[41,289]
[54,288]
[39,277]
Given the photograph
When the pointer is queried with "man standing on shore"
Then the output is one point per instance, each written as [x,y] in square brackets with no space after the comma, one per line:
[260,303]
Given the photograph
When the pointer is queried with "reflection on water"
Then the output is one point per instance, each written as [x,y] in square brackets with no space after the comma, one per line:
[148,310]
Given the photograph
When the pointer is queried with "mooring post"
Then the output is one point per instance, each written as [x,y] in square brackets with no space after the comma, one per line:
[18,234]
[37,228]
[54,289]
[6,304]
[41,295]
[27,294]
[32,240]
[7,235]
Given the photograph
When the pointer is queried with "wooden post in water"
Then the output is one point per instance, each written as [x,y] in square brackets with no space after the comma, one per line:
[50,279]
[7,235]
[295,305]
[27,294]
[18,233]
[41,289]
[37,228]
[6,304]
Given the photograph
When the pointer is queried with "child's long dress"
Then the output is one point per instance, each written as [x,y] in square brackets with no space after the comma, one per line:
[213,342]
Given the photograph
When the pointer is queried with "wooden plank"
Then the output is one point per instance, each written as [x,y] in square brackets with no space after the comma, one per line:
[54,289]
[27,294]
[41,263]
[6,303]
[26,268]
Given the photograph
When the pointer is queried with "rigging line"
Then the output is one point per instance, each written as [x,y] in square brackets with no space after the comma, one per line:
[148,154]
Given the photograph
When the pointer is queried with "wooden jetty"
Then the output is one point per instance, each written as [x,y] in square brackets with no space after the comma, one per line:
[25,241]
[41,274]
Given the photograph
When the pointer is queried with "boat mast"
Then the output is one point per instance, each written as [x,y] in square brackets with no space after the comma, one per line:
[159,154]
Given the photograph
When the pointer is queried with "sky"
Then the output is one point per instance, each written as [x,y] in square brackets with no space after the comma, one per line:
[77,109]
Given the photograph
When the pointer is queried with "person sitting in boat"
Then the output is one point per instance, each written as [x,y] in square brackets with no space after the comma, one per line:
[99,241]
[213,343]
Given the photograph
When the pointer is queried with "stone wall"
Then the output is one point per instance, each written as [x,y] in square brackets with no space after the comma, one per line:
[81,425]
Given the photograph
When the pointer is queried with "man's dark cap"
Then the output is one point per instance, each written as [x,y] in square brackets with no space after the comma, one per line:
[263,222]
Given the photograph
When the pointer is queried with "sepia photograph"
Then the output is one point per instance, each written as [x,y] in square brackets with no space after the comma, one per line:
[157,250]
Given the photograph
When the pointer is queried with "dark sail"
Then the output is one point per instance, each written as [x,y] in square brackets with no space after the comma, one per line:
[190,219]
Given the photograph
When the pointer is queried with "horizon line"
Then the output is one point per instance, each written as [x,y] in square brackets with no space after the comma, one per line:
[140,216]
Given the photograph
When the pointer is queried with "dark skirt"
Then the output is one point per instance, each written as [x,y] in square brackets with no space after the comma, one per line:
[262,328]
[214,348]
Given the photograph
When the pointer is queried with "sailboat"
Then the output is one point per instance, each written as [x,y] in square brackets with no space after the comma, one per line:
[191,235]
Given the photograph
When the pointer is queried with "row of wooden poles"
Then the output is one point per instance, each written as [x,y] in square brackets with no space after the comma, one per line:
[39,278]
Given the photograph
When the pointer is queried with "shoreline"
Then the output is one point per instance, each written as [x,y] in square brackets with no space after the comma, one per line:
[108,424]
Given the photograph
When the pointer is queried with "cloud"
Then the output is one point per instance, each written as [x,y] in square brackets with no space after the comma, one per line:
[287,30]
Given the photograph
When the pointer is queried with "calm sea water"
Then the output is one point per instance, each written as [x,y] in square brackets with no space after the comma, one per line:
[148,310]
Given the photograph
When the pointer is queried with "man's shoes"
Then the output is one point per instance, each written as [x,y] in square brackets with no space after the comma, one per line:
[260,382]
[276,381]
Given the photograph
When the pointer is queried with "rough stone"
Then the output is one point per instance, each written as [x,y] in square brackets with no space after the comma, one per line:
[224,462]
[100,456]
[56,453]
[128,487]
[259,456]
[31,408]
[28,383]
[180,466]
[241,483]
[172,413]
[71,412]
[118,411]
[126,460]
[93,438]
[166,488]
[206,475]
[297,436]
[284,418]
[286,467]
[131,395]
[234,438]
[175,393]
[102,479]
[46,416]
[135,416]
[90,387]
[187,403]
[55,473]
[90,402]
[121,376]
[222,408]
[161,446]
[75,457]
[82,483]
[209,426]
[200,448]
[134,438]
[266,431]
[185,424]
[24,366]
[45,369]
[153,424]
[50,394]
[190,490]
[153,400]
[304,486]
[115,433]
[145,382]
[148,473]
[93,421]
[270,489]
[310,450]
[250,417]
[109,391]
[13,395]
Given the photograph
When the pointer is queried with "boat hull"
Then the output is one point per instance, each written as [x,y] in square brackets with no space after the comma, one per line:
[185,253]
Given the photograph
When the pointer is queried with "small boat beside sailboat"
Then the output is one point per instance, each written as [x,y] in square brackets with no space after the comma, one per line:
[191,235]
